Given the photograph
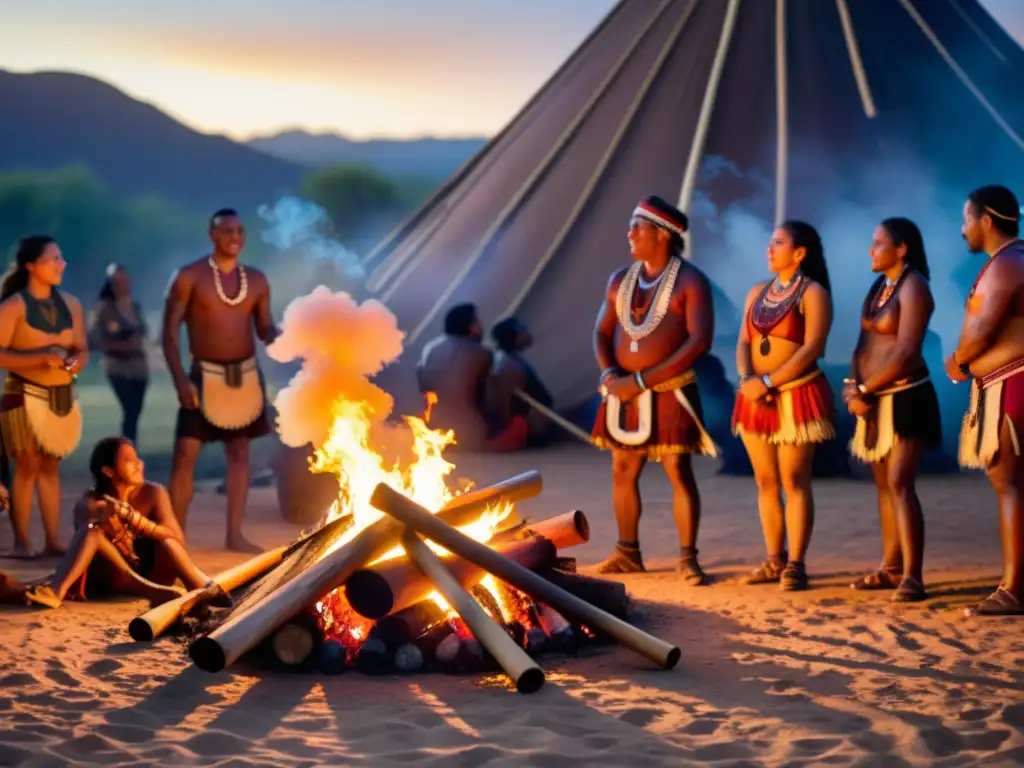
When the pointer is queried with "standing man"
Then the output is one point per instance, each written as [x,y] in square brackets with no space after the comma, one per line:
[655,322]
[222,395]
[991,350]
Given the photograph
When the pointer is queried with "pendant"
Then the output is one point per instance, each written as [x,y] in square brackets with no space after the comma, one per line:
[765,347]
[634,346]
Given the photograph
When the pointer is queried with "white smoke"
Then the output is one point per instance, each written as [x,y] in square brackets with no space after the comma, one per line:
[304,227]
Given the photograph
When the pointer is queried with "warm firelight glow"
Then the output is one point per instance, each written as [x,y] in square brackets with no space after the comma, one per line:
[348,454]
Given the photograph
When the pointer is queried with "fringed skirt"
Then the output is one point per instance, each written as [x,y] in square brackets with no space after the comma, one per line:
[665,420]
[799,413]
[907,410]
[995,397]
[39,419]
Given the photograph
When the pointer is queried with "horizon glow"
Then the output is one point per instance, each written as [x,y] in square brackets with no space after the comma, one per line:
[401,69]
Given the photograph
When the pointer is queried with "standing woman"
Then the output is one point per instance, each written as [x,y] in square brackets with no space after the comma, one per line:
[894,401]
[42,348]
[785,406]
[119,332]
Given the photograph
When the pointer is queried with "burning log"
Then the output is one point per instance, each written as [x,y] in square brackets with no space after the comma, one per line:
[609,596]
[522,670]
[419,519]
[332,656]
[561,635]
[245,628]
[158,620]
[409,658]
[407,625]
[296,641]
[397,584]
[564,531]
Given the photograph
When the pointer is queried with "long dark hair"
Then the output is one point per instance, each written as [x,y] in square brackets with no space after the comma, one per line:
[104,456]
[905,232]
[107,291]
[805,236]
[29,250]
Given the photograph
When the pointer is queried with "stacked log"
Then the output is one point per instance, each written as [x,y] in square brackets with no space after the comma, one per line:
[443,601]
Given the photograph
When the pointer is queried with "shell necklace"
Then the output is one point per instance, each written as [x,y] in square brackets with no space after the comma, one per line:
[243,285]
[659,305]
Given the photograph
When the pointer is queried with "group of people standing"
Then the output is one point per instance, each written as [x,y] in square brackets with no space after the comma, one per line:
[44,344]
[656,321]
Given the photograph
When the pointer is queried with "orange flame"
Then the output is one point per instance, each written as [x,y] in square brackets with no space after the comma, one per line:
[348,454]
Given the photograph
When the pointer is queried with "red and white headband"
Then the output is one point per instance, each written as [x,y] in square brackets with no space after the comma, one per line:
[658,218]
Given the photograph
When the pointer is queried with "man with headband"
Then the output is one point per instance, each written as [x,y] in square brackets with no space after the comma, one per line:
[655,322]
[991,352]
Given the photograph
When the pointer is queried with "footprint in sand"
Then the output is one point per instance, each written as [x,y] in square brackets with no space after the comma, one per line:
[639,717]
[103,667]
[60,677]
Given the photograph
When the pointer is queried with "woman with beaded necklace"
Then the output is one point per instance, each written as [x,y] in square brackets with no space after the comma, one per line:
[42,347]
[784,406]
[892,396]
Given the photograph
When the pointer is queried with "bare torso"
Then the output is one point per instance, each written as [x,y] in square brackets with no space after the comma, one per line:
[1007,345]
[666,338]
[880,335]
[25,338]
[218,332]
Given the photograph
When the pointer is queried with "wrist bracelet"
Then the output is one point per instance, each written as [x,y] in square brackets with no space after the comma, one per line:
[607,371]
[766,379]
[639,377]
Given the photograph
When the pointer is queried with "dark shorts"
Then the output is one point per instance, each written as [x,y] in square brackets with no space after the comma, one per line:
[192,423]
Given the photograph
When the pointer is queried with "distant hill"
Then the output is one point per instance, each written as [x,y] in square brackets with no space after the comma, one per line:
[54,119]
[430,157]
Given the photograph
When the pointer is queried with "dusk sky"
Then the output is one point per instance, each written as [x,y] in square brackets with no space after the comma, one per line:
[363,68]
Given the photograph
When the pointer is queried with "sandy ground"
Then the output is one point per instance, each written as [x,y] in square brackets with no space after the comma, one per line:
[828,677]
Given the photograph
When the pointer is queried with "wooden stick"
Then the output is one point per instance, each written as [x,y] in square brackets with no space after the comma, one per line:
[154,622]
[605,594]
[397,584]
[522,670]
[564,531]
[243,630]
[561,421]
[419,519]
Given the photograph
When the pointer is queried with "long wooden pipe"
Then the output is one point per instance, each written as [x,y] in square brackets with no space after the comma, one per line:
[244,629]
[154,622]
[391,586]
[419,519]
[522,670]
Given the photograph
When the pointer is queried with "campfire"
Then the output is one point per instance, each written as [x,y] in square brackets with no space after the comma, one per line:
[403,573]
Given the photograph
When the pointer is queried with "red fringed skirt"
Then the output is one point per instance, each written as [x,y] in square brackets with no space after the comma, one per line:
[800,413]
[668,427]
[996,397]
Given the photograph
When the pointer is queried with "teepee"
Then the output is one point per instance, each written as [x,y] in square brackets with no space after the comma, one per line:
[838,112]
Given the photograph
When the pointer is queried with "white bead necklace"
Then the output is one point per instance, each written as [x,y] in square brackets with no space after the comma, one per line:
[243,285]
[659,304]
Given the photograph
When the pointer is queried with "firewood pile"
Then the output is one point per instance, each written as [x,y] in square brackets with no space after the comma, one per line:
[338,600]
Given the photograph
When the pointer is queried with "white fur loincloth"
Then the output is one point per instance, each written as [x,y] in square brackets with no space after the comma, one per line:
[231,395]
[42,423]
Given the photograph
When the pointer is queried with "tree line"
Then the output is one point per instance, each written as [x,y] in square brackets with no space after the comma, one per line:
[151,235]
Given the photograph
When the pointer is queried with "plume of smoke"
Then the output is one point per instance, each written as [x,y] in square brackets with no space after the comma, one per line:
[341,344]
[733,248]
[303,226]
